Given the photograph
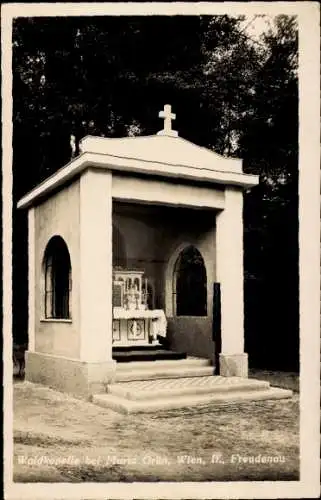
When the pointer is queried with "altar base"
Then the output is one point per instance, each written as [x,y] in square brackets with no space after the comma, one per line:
[138,327]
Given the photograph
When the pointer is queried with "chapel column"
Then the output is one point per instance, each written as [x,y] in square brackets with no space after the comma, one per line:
[229,270]
[96,266]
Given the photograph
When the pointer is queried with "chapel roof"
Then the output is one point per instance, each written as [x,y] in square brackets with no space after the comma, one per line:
[163,149]
[163,155]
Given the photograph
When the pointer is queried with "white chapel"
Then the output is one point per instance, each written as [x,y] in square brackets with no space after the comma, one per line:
[136,255]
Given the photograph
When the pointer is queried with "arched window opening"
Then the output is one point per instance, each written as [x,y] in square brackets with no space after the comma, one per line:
[57,279]
[190,284]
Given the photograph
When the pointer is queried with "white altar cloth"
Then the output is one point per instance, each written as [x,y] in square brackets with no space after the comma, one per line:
[157,316]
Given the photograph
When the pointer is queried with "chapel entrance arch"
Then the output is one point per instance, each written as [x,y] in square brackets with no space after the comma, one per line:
[187,311]
[189,283]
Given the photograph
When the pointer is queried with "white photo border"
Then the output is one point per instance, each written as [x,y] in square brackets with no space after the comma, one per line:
[309,256]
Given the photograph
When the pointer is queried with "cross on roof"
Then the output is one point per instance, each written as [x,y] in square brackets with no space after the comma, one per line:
[168,117]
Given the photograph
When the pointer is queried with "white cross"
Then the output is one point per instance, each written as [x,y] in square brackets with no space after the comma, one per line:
[168,117]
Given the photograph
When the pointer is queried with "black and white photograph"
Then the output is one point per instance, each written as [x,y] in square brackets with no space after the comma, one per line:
[160,318]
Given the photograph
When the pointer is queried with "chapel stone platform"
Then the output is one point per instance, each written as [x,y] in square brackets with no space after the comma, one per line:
[168,385]
[163,369]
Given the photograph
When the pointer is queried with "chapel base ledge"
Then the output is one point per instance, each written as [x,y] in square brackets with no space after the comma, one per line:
[234,365]
[73,376]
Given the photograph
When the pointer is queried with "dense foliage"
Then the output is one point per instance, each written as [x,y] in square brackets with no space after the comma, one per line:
[111,75]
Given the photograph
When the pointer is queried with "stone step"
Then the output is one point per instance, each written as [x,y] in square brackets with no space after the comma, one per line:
[162,372]
[128,406]
[188,386]
[141,347]
[164,363]
[146,355]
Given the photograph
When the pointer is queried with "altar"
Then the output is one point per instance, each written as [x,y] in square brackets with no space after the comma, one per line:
[133,322]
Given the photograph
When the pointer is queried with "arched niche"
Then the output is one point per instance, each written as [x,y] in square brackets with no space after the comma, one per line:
[57,280]
[186,283]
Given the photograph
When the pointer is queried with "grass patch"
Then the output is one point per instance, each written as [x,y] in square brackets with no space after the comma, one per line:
[285,380]
[58,438]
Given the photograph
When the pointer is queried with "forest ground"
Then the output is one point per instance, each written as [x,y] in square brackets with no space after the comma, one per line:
[58,438]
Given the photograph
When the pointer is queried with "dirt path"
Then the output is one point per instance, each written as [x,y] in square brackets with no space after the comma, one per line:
[58,438]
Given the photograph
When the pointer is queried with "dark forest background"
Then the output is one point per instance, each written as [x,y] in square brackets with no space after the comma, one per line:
[231,92]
